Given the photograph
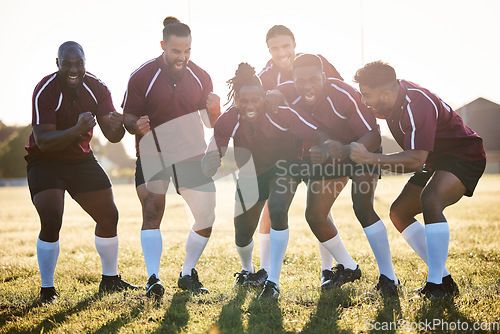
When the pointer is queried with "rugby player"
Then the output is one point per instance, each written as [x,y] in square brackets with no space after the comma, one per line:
[165,90]
[66,105]
[447,157]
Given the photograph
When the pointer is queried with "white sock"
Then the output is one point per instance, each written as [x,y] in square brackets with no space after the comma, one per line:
[265,256]
[438,239]
[414,235]
[326,257]
[279,242]
[108,251]
[245,254]
[379,242]
[337,249]
[152,246]
[195,245]
[47,254]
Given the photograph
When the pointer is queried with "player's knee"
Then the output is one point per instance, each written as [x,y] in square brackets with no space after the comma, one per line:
[314,217]
[242,238]
[397,212]
[277,213]
[431,201]
[50,227]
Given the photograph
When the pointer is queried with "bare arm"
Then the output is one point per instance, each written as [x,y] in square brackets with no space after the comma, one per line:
[402,162]
[136,125]
[49,139]
[112,126]
[371,140]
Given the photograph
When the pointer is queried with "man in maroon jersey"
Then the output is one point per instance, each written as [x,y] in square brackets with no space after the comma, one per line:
[337,109]
[161,108]
[65,107]
[434,137]
[281,44]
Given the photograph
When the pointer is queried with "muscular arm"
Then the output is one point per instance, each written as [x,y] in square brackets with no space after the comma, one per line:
[370,140]
[402,162]
[48,139]
[112,126]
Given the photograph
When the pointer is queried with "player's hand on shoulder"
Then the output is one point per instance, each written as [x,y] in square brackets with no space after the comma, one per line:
[86,121]
[213,103]
[273,100]
[210,163]
[318,155]
[143,126]
[115,120]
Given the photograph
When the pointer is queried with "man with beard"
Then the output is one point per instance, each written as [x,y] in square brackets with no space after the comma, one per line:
[170,90]
[447,157]
[65,107]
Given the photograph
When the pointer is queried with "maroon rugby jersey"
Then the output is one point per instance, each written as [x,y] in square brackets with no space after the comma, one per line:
[338,111]
[54,103]
[272,76]
[151,92]
[270,138]
[422,121]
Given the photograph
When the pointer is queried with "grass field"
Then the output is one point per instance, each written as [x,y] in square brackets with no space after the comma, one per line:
[474,261]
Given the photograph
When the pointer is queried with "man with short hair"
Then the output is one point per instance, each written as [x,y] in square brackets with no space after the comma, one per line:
[281,45]
[166,101]
[447,157]
[337,109]
[65,107]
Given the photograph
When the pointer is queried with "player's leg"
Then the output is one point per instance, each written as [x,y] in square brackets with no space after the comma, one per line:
[443,189]
[321,194]
[281,192]
[363,190]
[264,230]
[50,206]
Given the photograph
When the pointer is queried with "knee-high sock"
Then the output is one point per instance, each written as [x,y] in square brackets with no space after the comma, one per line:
[379,242]
[414,235]
[245,254]
[108,251]
[264,251]
[47,254]
[438,239]
[337,249]
[326,257]
[279,242]
[195,245]
[152,246]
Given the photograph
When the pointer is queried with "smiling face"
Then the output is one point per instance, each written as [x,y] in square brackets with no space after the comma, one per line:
[380,101]
[176,53]
[71,64]
[250,102]
[282,49]
[309,82]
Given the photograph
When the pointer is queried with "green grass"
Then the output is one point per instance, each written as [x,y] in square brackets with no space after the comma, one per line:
[474,261]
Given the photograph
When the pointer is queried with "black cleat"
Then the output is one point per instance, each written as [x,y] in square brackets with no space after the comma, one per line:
[342,276]
[326,275]
[191,282]
[450,286]
[154,288]
[256,279]
[114,284]
[431,290]
[271,290]
[241,278]
[386,286]
[48,295]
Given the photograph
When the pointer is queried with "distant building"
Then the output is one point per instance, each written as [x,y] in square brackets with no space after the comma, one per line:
[483,116]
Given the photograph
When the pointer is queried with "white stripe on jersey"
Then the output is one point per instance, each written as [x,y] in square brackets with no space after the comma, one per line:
[300,117]
[126,92]
[265,70]
[333,108]
[37,111]
[153,81]
[296,100]
[275,124]
[236,127]
[195,77]
[412,121]
[60,101]
[435,107]
[92,94]
[278,79]
[355,104]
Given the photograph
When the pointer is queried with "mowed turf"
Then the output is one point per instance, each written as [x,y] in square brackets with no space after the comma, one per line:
[474,262]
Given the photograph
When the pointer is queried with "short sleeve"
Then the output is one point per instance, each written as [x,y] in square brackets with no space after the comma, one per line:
[45,102]
[134,101]
[419,124]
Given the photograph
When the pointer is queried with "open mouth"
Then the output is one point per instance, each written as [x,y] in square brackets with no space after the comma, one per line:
[73,80]
[179,66]
[250,114]
[310,97]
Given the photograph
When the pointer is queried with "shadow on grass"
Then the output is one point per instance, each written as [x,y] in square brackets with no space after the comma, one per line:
[124,318]
[10,311]
[329,310]
[390,312]
[265,316]
[442,316]
[176,316]
[230,319]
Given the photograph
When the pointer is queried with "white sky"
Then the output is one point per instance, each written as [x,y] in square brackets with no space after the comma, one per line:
[450,47]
